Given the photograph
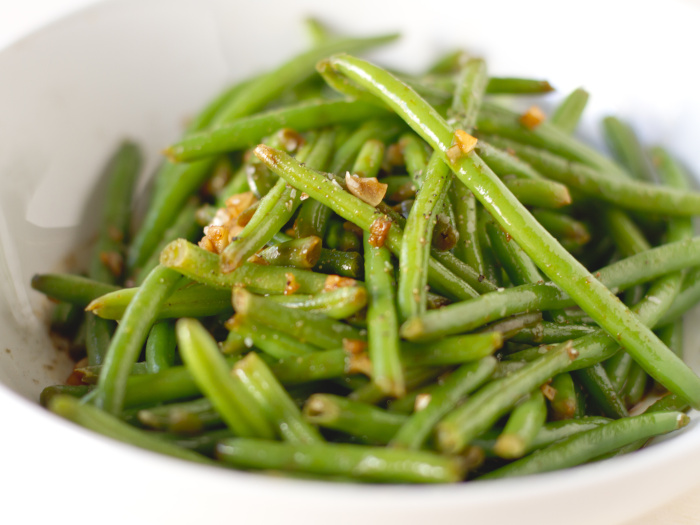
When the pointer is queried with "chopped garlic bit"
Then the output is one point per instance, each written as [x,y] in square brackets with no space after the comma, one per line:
[422,401]
[465,141]
[549,391]
[354,346]
[532,118]
[379,231]
[224,226]
[333,282]
[292,284]
[464,144]
[367,189]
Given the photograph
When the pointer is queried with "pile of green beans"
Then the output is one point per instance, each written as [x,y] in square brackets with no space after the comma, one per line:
[359,275]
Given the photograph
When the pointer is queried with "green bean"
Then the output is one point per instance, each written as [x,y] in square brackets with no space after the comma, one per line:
[414,432]
[495,119]
[377,464]
[627,236]
[522,427]
[317,31]
[416,240]
[211,373]
[621,191]
[274,402]
[519,267]
[277,344]
[568,113]
[564,405]
[299,253]
[354,210]
[160,347]
[636,386]
[602,391]
[415,156]
[448,63]
[617,369]
[343,263]
[310,327]
[100,421]
[587,445]
[495,399]
[130,336]
[347,153]
[464,272]
[415,378]
[98,333]
[369,160]
[517,86]
[203,266]
[669,402]
[182,182]
[184,227]
[246,132]
[342,239]
[590,294]
[546,332]
[121,173]
[188,417]
[451,351]
[563,226]
[382,320]
[549,433]
[50,392]
[73,289]
[275,212]
[204,443]
[542,193]
[328,364]
[336,304]
[625,146]
[190,300]
[468,248]
[169,385]
[370,424]
[686,299]
[504,163]
[672,336]
[469,315]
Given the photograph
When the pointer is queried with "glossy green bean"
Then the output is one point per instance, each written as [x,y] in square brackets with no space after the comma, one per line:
[212,375]
[568,113]
[382,320]
[522,427]
[160,347]
[130,336]
[100,421]
[584,446]
[442,399]
[495,399]
[203,266]
[310,327]
[274,401]
[468,315]
[376,464]
[366,422]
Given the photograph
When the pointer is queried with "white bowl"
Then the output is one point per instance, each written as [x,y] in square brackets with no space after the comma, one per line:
[138,68]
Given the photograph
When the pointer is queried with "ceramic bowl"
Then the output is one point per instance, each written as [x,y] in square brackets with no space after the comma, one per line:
[138,69]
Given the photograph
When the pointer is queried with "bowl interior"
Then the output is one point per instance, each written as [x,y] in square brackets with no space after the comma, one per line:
[138,69]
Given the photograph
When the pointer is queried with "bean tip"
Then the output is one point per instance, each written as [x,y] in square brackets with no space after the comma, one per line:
[266,154]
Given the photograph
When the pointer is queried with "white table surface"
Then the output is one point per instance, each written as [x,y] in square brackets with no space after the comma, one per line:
[20,17]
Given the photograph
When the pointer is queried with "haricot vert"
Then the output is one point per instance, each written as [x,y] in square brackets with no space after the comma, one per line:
[409,283]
